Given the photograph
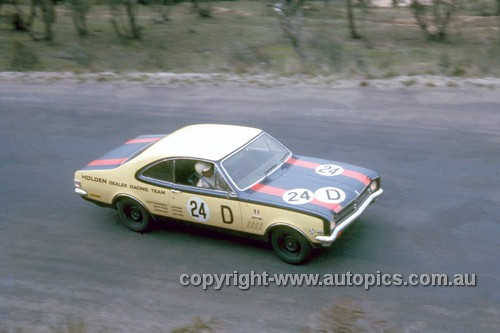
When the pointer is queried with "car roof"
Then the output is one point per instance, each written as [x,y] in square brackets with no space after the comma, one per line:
[203,141]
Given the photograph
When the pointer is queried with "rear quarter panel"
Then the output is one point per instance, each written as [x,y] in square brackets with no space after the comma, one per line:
[104,185]
[97,183]
[107,185]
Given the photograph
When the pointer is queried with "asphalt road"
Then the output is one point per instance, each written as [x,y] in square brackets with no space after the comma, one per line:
[66,264]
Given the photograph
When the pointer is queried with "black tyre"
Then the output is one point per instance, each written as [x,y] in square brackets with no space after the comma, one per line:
[290,245]
[133,215]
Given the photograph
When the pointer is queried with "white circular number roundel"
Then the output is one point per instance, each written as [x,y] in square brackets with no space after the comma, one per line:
[298,196]
[198,209]
[329,170]
[332,195]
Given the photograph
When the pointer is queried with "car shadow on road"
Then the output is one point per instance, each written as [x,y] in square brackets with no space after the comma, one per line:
[194,233]
[352,243]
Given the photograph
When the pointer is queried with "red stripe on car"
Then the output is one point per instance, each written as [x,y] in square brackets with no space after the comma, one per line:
[358,176]
[141,140]
[302,163]
[113,161]
[348,173]
[261,188]
[335,207]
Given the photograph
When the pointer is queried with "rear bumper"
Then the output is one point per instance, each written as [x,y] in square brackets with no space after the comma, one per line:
[326,241]
[81,192]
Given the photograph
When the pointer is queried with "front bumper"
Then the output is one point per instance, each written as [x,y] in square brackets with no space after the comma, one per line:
[326,241]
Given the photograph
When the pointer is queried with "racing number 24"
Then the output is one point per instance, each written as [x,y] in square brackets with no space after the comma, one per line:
[197,211]
[293,196]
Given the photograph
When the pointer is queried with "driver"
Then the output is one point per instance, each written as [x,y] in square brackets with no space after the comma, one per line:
[206,172]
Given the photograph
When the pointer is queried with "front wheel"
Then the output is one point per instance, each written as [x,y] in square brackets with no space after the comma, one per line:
[133,215]
[290,245]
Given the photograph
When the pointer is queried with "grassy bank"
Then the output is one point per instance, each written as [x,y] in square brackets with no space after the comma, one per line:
[245,37]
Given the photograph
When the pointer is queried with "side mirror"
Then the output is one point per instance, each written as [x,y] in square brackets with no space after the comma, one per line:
[230,195]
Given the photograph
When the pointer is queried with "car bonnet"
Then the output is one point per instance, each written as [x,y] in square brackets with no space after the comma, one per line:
[311,185]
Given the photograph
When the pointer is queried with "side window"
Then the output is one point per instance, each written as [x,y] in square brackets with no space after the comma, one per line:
[199,174]
[163,171]
[196,173]
[185,173]
[220,183]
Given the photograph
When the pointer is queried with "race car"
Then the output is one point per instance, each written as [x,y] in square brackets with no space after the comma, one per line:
[231,177]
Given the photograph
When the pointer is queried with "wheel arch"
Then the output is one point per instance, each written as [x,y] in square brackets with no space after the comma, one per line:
[120,196]
[275,226]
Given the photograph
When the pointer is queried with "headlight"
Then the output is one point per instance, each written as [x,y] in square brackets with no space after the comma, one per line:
[78,184]
[374,185]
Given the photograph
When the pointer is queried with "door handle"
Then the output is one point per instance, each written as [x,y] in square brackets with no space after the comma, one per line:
[175,191]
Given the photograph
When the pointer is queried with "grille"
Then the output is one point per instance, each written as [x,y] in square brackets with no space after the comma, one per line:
[351,208]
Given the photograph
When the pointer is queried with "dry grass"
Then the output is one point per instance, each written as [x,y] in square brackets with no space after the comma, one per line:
[199,325]
[347,316]
[244,37]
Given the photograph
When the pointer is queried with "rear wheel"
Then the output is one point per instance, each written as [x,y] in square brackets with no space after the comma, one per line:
[133,215]
[290,245]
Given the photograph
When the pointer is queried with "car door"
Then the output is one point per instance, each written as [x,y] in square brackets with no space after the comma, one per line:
[215,207]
